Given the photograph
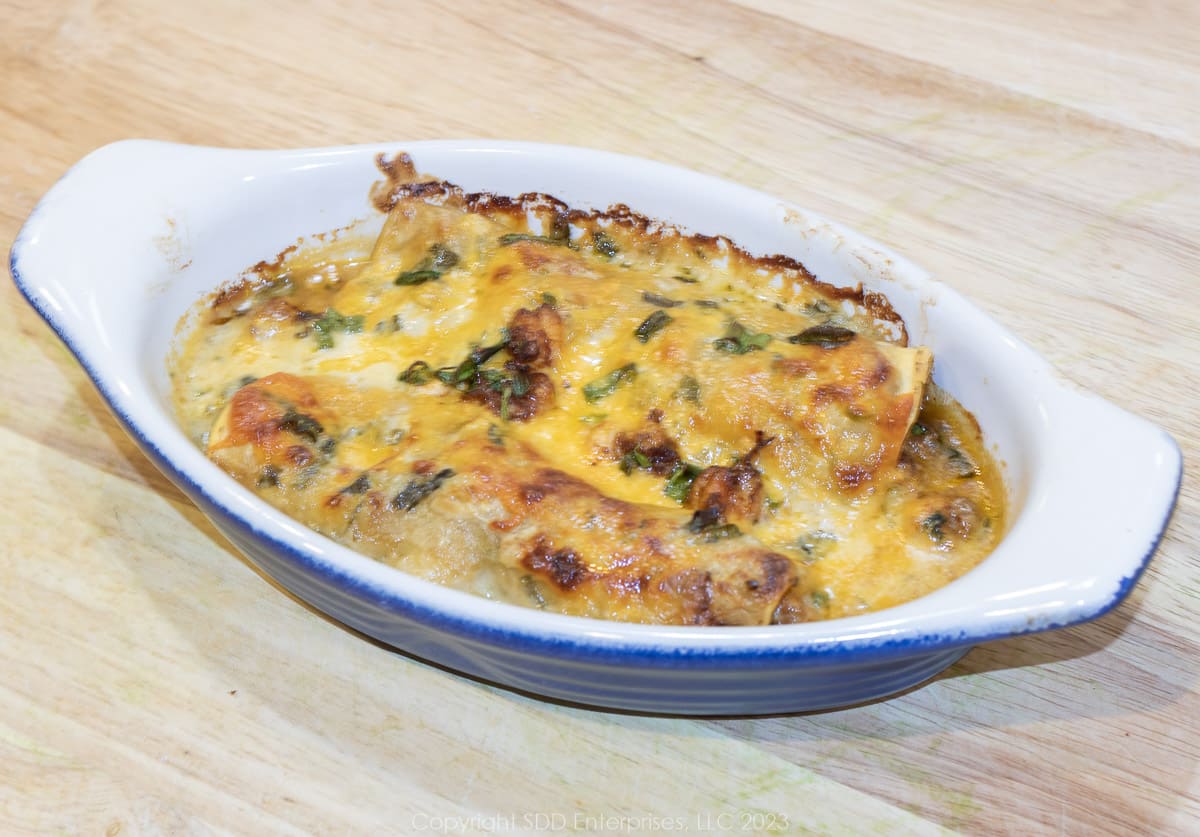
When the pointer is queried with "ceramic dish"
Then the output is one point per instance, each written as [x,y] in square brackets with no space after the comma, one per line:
[138,231]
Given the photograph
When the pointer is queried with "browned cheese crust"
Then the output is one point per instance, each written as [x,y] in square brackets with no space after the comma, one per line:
[591,413]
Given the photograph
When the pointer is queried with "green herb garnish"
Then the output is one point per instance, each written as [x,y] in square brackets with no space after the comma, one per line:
[689,389]
[962,466]
[603,244]
[462,376]
[360,486]
[420,488]
[418,277]
[560,234]
[438,260]
[659,300]
[826,336]
[651,325]
[606,386]
[680,482]
[302,425]
[633,461]
[815,545]
[418,373]
[738,340]
[933,525]
[330,322]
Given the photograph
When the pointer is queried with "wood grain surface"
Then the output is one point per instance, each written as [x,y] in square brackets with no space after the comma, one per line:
[1044,159]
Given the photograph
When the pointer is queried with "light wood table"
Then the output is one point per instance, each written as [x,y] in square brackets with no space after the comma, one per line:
[1044,159]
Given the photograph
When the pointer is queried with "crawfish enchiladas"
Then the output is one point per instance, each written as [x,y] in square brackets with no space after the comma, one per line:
[590,413]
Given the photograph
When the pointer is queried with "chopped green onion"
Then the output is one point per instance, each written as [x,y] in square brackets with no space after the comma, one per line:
[332,321]
[634,460]
[659,300]
[418,489]
[651,325]
[417,374]
[495,435]
[826,336]
[738,340]
[607,385]
[689,389]
[417,277]
[680,482]
[438,260]
[441,257]
[513,238]
[302,425]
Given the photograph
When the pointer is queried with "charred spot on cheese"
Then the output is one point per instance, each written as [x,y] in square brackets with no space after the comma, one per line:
[710,522]
[561,566]
[514,394]
[735,492]
[650,449]
[533,336]
[584,382]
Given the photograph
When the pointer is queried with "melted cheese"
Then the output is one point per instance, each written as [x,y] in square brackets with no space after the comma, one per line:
[555,472]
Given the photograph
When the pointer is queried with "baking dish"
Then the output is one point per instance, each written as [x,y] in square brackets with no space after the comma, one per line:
[135,233]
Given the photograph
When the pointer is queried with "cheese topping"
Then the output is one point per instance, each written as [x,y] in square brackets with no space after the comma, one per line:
[591,413]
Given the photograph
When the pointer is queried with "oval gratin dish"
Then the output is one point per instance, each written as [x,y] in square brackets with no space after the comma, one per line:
[138,231]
